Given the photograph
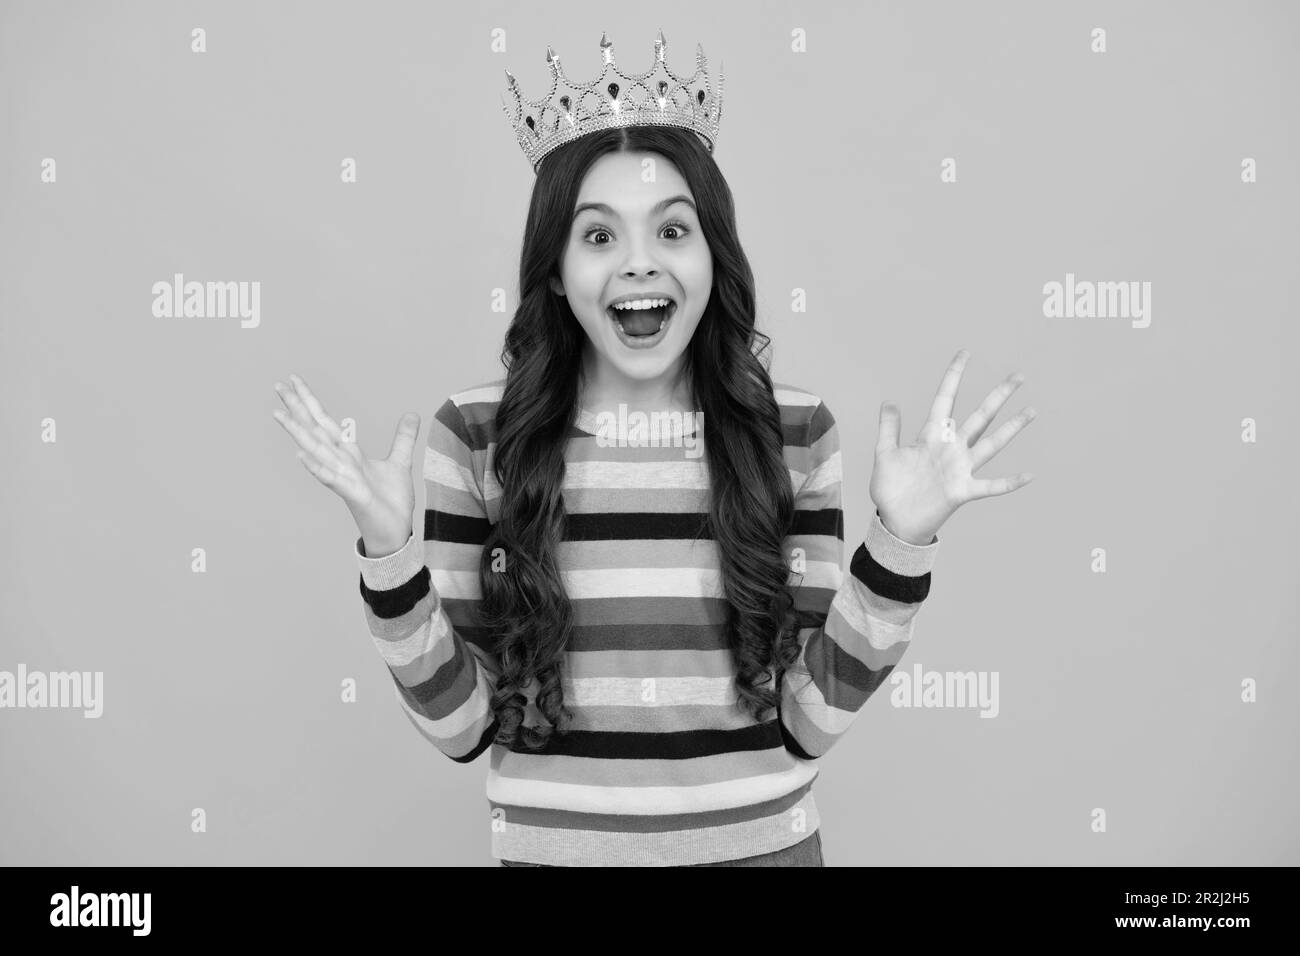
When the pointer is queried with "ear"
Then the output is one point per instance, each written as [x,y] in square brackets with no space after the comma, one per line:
[556,285]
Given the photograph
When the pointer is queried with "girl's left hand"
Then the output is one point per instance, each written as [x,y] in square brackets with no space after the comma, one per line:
[916,488]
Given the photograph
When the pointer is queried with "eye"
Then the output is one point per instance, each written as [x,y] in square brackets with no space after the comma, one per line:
[676,225]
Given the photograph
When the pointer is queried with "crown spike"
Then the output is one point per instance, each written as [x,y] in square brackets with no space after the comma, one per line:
[606,48]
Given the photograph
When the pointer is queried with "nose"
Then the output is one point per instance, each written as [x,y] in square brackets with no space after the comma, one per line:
[640,260]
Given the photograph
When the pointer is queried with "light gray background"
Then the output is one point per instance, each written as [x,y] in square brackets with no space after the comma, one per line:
[1119,691]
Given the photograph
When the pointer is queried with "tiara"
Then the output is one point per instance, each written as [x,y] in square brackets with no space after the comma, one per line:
[657,97]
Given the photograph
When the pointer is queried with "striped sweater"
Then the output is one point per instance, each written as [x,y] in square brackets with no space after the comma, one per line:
[659,767]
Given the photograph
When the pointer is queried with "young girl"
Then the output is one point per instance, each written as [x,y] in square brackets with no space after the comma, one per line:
[650,631]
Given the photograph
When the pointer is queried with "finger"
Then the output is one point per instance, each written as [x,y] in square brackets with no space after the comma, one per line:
[309,411]
[352,450]
[312,466]
[408,428]
[986,448]
[333,437]
[301,414]
[314,408]
[293,402]
[973,427]
[989,487]
[890,419]
[342,452]
[947,394]
[309,440]
[331,478]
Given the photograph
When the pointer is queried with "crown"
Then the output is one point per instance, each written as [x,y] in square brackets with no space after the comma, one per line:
[657,97]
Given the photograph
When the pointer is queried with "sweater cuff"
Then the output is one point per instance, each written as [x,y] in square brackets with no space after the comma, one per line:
[386,573]
[891,567]
[897,555]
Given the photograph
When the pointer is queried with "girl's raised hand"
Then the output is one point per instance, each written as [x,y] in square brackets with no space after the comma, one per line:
[379,492]
[917,487]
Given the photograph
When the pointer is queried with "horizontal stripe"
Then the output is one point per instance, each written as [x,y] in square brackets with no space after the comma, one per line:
[627,773]
[682,745]
[701,632]
[887,583]
[659,691]
[526,844]
[646,800]
[549,819]
[625,526]
[660,718]
[645,663]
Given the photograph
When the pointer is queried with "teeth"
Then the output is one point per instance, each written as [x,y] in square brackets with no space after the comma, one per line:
[639,304]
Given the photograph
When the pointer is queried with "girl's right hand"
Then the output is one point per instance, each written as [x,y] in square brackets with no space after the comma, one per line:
[379,493]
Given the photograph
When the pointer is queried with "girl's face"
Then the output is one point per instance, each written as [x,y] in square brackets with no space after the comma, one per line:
[635,235]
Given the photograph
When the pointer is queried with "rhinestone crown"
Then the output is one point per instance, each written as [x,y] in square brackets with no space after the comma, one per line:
[657,97]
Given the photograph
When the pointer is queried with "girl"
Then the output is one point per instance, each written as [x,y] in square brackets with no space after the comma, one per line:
[650,631]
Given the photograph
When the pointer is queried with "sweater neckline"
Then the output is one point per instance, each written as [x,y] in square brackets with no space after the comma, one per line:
[589,422]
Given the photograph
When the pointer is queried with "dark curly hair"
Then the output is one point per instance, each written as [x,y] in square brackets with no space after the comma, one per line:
[752,503]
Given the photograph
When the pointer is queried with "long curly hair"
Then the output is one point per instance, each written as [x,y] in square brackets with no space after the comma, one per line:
[751,506]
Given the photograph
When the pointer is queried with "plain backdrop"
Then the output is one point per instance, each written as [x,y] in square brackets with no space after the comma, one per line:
[1119,690]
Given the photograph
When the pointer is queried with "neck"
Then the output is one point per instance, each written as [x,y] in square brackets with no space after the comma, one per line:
[597,392]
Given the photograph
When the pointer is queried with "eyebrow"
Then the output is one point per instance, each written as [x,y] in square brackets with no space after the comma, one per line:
[658,207]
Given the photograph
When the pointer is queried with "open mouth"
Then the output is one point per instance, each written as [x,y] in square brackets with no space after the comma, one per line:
[642,323]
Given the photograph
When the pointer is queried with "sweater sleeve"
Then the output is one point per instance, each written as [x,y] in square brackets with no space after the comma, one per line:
[420,602]
[856,628]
